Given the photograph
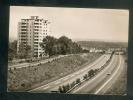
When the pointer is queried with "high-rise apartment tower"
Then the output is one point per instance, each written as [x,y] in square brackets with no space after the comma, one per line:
[31,32]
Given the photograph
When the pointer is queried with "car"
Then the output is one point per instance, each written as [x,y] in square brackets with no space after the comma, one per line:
[108,73]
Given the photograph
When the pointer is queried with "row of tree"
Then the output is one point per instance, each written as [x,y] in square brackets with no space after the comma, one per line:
[90,74]
[50,45]
[62,45]
[23,53]
[66,88]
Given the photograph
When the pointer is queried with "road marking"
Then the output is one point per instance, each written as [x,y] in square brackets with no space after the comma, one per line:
[109,79]
[57,82]
[89,81]
[72,75]
[45,88]
[76,73]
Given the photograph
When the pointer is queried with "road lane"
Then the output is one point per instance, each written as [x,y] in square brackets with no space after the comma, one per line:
[90,85]
[112,78]
[72,77]
[100,83]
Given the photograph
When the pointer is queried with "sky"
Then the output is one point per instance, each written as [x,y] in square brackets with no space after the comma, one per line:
[76,23]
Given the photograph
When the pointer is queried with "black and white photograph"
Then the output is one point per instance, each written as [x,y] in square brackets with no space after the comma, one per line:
[68,50]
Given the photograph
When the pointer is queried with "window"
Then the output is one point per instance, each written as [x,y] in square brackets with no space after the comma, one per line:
[36,23]
[23,29]
[23,26]
[37,20]
[36,29]
[35,39]
[23,23]
[23,32]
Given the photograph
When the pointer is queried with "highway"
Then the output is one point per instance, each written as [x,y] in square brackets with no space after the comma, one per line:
[104,79]
[53,86]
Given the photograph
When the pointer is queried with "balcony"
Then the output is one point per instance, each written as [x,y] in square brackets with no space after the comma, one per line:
[36,23]
[23,27]
[23,30]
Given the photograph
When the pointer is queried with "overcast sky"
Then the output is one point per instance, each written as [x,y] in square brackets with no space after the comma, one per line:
[77,23]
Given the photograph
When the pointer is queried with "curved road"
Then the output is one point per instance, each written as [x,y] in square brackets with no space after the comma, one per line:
[104,79]
[53,86]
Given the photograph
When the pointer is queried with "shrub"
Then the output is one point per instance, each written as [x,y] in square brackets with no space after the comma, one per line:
[78,81]
[91,73]
[60,89]
[72,84]
[85,77]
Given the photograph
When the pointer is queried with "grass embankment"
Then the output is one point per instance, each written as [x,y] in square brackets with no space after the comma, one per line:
[33,76]
[119,87]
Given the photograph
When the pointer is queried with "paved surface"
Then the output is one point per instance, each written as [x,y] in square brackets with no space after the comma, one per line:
[102,82]
[36,63]
[53,86]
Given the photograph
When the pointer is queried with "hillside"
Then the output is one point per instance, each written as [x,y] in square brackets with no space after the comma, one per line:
[102,45]
[30,77]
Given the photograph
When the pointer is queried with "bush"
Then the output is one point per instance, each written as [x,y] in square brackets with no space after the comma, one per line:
[96,70]
[72,84]
[60,89]
[91,73]
[64,89]
[67,87]
[85,77]
[78,81]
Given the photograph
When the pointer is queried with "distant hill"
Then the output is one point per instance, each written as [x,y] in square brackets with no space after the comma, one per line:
[101,44]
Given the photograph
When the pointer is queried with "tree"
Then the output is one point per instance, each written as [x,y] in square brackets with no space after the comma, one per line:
[91,73]
[72,84]
[13,45]
[24,51]
[28,52]
[48,45]
[64,89]
[60,89]
[78,81]
[12,50]
[85,77]
[67,87]
[63,45]
[11,54]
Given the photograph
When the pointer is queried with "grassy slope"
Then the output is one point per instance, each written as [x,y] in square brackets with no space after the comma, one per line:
[25,78]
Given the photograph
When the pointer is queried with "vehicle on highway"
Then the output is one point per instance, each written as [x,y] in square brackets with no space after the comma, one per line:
[108,73]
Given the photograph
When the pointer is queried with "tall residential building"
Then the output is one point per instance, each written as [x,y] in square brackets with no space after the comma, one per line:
[31,32]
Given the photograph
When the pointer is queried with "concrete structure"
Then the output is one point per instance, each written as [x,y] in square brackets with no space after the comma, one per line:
[31,32]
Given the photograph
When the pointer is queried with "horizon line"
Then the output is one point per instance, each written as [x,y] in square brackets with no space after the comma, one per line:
[77,40]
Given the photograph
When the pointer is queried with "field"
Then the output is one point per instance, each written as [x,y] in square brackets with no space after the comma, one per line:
[31,77]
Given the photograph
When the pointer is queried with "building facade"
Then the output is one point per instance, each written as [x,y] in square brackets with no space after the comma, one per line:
[31,32]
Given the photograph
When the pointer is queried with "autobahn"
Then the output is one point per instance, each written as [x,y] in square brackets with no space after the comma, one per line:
[53,86]
[103,80]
